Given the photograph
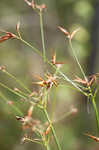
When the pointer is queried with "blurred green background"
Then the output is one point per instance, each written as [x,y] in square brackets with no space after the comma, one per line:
[22,62]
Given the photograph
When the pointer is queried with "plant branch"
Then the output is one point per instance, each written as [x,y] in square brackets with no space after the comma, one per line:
[12,91]
[53,130]
[42,35]
[18,81]
[82,71]
[31,46]
[96,111]
[13,106]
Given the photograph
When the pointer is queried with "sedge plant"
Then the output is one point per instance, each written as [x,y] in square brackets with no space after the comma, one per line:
[39,100]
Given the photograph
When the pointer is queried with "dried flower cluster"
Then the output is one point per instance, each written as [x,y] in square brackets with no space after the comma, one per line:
[31,126]
[7,36]
[54,62]
[49,82]
[90,81]
[69,36]
[35,6]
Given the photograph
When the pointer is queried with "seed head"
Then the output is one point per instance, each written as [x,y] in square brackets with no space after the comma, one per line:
[7,36]
[2,68]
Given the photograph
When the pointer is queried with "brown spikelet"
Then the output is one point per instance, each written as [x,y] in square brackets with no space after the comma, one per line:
[92,137]
[79,80]
[16,89]
[42,82]
[53,60]
[35,6]
[7,36]
[2,68]
[41,7]
[21,119]
[64,31]
[70,36]
[47,130]
[29,3]
[74,32]
[30,111]
[91,80]
[10,102]
[18,26]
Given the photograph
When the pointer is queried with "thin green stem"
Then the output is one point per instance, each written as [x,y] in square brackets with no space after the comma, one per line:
[73,88]
[18,81]
[53,104]
[13,106]
[42,35]
[31,46]
[47,147]
[96,112]
[82,71]
[22,93]
[94,105]
[65,115]
[25,97]
[12,91]
[71,82]
[53,130]
[33,140]
[45,98]
[46,144]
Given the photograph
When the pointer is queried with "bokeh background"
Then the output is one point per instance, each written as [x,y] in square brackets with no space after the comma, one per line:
[22,62]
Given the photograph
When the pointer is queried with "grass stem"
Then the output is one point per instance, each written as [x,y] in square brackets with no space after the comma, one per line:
[42,35]
[53,130]
[13,106]
[96,112]
[82,71]
[12,91]
[18,81]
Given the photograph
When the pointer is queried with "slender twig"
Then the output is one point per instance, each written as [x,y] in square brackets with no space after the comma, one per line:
[48,148]
[33,140]
[42,35]
[53,104]
[94,105]
[53,130]
[18,81]
[82,71]
[65,115]
[12,91]
[96,111]
[28,44]
[13,106]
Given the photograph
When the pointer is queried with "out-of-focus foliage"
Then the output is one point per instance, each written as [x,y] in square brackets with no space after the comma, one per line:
[22,62]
